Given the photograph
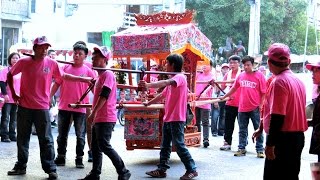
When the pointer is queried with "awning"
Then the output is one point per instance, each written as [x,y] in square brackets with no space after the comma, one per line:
[161,40]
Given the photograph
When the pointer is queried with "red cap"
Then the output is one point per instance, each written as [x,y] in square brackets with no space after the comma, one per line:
[279,52]
[311,66]
[41,40]
[104,51]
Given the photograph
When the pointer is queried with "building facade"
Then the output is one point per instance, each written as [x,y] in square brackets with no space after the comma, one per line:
[13,14]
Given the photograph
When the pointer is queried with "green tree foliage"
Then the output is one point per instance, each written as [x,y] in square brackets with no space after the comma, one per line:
[280,21]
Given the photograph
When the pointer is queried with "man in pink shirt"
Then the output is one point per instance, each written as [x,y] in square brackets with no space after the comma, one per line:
[252,86]
[36,77]
[203,111]
[37,72]
[284,117]
[175,94]
[71,92]
[104,118]
[231,107]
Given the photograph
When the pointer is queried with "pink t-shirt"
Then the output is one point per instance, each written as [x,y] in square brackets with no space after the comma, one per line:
[287,97]
[200,87]
[234,98]
[176,100]
[252,87]
[108,112]
[315,93]
[36,79]
[16,83]
[71,91]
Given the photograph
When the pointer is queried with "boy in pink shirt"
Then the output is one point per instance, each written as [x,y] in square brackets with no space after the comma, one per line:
[203,111]
[71,92]
[9,109]
[175,94]
[252,86]
[104,118]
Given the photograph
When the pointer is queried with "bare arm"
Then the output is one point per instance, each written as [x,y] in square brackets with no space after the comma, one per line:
[71,77]
[232,90]
[100,102]
[10,83]
[154,100]
[161,83]
[54,89]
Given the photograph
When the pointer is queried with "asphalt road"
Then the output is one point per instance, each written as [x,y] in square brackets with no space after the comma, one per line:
[212,163]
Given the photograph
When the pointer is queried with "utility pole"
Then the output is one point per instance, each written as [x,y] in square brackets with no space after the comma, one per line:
[254,28]
[311,18]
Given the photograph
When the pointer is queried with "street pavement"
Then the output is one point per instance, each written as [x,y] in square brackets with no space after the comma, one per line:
[212,163]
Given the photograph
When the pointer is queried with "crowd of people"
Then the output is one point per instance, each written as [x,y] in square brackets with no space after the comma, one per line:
[275,105]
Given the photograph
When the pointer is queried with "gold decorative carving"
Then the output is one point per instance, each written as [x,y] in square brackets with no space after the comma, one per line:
[165,18]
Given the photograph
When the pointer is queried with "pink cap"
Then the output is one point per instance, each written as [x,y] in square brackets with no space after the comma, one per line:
[104,51]
[41,40]
[279,52]
[311,66]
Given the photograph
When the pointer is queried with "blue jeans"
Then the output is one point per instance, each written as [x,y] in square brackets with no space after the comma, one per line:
[41,121]
[8,117]
[214,119]
[173,133]
[243,128]
[64,124]
[101,136]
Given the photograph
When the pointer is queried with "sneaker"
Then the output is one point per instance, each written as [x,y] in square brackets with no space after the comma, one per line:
[91,176]
[240,152]
[13,138]
[54,124]
[214,134]
[260,155]
[225,147]
[60,160]
[158,173]
[53,175]
[125,176]
[90,156]
[189,175]
[17,171]
[205,143]
[79,163]
[5,140]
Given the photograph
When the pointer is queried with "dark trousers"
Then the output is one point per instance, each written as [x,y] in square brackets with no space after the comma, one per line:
[202,118]
[288,157]
[222,116]
[101,136]
[41,120]
[64,123]
[231,115]
[8,118]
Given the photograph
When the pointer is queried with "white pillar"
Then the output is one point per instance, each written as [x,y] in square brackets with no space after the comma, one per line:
[254,29]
